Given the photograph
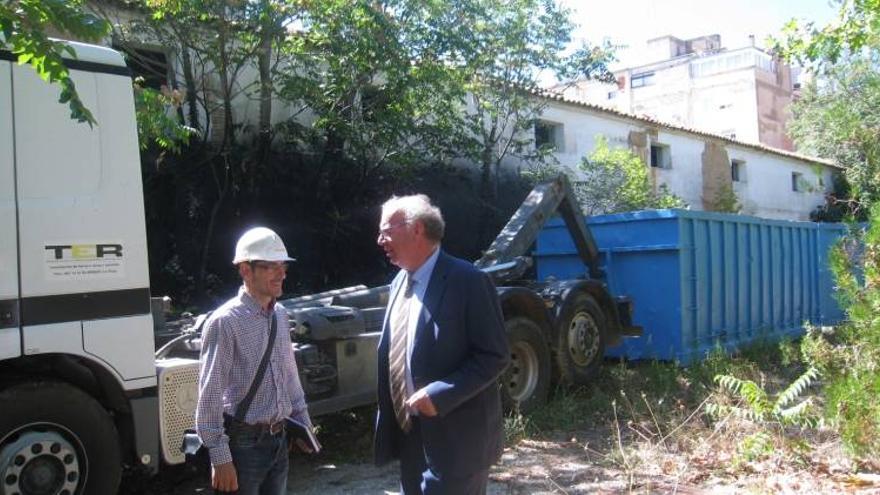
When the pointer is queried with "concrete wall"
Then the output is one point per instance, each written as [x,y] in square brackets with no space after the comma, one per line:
[773,95]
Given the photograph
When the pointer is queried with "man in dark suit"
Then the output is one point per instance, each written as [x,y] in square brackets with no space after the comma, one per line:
[442,349]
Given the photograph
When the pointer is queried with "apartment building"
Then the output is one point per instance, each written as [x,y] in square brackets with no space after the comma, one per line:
[740,93]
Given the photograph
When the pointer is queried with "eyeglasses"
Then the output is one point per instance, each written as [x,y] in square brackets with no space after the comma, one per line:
[386,231]
[270,265]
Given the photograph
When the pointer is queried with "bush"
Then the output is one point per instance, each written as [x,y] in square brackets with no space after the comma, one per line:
[848,356]
[617,180]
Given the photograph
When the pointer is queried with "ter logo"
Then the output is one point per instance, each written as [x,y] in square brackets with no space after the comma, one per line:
[86,251]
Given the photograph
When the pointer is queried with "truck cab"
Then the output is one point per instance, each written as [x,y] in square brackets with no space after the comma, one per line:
[78,379]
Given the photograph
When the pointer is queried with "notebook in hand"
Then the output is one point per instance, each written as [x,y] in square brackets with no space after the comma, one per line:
[297,430]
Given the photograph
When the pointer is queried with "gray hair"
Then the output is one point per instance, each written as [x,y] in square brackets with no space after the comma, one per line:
[418,207]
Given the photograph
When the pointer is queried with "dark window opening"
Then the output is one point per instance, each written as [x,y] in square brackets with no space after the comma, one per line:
[639,80]
[660,156]
[548,134]
[374,102]
[736,170]
[797,182]
[151,65]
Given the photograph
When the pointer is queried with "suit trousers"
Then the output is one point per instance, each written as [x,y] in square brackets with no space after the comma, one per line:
[416,478]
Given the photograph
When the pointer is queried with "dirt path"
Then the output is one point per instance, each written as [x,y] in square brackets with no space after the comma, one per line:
[559,466]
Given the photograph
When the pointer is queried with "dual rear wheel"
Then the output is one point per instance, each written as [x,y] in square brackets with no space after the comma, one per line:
[579,349]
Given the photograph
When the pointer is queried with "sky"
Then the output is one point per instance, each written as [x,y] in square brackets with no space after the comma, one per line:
[633,22]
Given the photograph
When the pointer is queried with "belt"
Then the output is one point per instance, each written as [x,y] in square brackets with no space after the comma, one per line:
[270,428]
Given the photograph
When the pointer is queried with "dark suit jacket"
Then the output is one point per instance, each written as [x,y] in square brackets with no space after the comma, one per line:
[459,350]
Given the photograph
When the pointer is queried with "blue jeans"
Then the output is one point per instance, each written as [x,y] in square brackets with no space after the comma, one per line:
[261,461]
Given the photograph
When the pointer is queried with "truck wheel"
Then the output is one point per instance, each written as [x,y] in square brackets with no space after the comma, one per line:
[56,439]
[580,344]
[525,383]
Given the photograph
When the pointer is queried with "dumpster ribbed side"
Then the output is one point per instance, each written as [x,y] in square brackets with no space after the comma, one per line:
[702,280]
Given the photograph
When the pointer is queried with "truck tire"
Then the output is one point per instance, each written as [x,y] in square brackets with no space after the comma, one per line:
[56,439]
[525,383]
[580,339]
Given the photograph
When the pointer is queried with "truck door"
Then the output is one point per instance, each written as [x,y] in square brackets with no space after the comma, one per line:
[82,242]
[10,333]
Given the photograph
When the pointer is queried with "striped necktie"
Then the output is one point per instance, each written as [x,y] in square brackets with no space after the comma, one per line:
[397,356]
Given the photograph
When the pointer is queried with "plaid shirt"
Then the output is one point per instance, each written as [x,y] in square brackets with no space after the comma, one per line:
[233,342]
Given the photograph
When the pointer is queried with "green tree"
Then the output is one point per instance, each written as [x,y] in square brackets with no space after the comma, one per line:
[215,42]
[725,199]
[836,117]
[378,78]
[616,180]
[506,47]
[856,29]
[25,24]
[370,89]
[848,356]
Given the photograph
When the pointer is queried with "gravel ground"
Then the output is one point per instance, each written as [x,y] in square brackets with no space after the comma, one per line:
[586,463]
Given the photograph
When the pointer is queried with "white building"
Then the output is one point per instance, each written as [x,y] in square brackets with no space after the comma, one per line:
[695,165]
[741,93]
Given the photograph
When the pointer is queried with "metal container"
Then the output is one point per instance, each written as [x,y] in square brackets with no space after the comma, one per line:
[700,280]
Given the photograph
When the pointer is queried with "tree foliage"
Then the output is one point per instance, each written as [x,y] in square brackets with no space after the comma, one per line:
[849,355]
[377,77]
[725,199]
[835,117]
[506,48]
[616,180]
[348,94]
[856,29]
[25,24]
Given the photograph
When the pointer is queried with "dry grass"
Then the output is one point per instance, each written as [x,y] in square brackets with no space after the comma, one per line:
[642,428]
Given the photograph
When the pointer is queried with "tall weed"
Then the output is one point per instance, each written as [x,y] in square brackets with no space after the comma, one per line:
[848,356]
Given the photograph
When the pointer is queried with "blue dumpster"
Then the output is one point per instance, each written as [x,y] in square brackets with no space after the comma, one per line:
[700,280]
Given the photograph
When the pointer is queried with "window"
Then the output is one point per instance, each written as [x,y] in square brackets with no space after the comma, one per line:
[797,182]
[660,156]
[737,170]
[644,79]
[373,103]
[150,64]
[612,95]
[548,135]
[732,61]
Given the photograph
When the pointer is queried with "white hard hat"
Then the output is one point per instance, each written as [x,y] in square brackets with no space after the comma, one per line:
[260,244]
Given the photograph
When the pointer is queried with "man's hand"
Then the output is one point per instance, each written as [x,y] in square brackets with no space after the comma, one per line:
[420,402]
[224,478]
[300,444]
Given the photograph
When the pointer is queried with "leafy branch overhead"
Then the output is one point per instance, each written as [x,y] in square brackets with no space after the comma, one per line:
[24,25]
[835,116]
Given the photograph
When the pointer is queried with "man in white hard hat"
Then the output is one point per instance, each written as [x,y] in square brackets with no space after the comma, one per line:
[247,389]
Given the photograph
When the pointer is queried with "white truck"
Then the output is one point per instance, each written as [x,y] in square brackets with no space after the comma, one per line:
[83,389]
